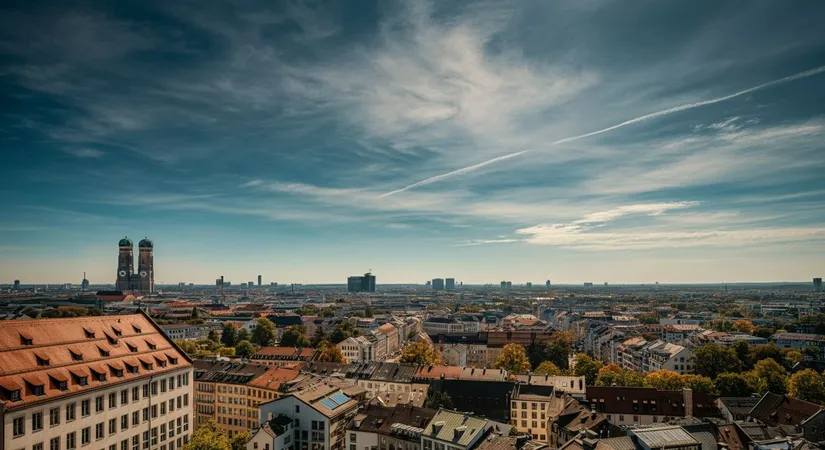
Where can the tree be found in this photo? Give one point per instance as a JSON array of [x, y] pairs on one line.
[[343, 331], [244, 349], [698, 383], [368, 311], [264, 332], [294, 336], [664, 380], [238, 442], [208, 437], [329, 352], [807, 385], [95, 312], [190, 347], [243, 335], [547, 368], [760, 352], [772, 374], [732, 385], [555, 351], [195, 314], [712, 359], [742, 349], [613, 375], [226, 351], [438, 400], [228, 335], [420, 353], [763, 332], [213, 336], [564, 338], [586, 367], [792, 356], [327, 312], [744, 326], [513, 359], [318, 337]]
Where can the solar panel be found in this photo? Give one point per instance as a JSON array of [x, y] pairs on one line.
[[329, 403], [339, 398]]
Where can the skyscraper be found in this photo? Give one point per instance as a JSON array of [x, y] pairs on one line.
[[16, 285], [817, 284], [438, 284], [84, 285], [450, 284], [529, 285], [547, 284], [504, 285], [368, 282], [259, 281]]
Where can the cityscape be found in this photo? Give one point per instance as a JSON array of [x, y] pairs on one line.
[[412, 225]]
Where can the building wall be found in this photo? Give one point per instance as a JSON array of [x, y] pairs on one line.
[[233, 407], [530, 416], [177, 409]]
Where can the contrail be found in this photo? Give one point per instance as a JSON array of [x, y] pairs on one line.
[[664, 112]]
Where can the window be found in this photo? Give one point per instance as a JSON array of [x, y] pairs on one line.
[[42, 362], [155, 436], [99, 404], [76, 357], [163, 385], [135, 418], [14, 395], [297, 409], [54, 443], [124, 422], [70, 411], [70, 441], [38, 446], [26, 340], [37, 421], [85, 436], [85, 408], [124, 444], [145, 390], [178, 401], [171, 404], [163, 408], [135, 442], [154, 411], [19, 426], [171, 383], [185, 399], [154, 388], [124, 397], [54, 416], [163, 432], [145, 414], [112, 426], [112, 400], [145, 440], [135, 394]]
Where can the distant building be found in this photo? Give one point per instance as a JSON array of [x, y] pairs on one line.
[[529, 285], [364, 283], [182, 331], [509, 285], [450, 284], [127, 279], [84, 285], [273, 284], [588, 284], [547, 284], [504, 285], [259, 281], [250, 284], [16, 285], [217, 281], [438, 284], [817, 284]]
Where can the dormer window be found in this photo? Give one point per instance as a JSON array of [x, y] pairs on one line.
[[118, 372], [76, 356], [136, 328], [132, 369], [99, 376], [83, 381], [117, 331], [151, 345], [161, 362], [147, 366], [172, 360], [36, 388], [132, 348], [42, 360], [26, 339], [14, 395], [103, 352]]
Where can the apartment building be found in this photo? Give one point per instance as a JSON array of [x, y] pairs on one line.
[[356, 349], [229, 393], [387, 428], [183, 331], [644, 406], [109, 382], [649, 356], [456, 431], [801, 341], [293, 357]]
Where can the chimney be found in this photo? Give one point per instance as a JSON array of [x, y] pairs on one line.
[[688, 396]]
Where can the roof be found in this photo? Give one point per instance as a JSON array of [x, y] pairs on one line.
[[454, 427], [105, 344], [799, 337], [739, 405], [648, 401], [775, 409], [284, 353], [438, 372], [499, 442], [273, 377], [616, 443], [326, 398], [387, 329], [666, 436]]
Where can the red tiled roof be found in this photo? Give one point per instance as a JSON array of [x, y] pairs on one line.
[[55, 340], [436, 372], [305, 352]]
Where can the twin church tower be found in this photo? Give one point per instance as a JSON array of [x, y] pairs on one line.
[[142, 281]]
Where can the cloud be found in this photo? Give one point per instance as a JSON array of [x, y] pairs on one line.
[[85, 152], [654, 115]]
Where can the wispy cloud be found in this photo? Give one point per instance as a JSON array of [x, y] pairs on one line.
[[85, 152]]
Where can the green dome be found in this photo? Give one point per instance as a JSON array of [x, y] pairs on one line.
[[145, 243], [126, 242]]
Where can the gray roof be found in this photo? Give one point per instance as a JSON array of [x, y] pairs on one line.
[[707, 439], [450, 421], [666, 436]]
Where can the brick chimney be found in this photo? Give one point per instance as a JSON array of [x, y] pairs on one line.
[[687, 393]]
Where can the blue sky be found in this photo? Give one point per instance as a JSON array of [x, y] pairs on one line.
[[572, 140]]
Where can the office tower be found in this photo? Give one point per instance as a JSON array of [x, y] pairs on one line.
[[509, 285], [503, 285], [217, 282], [84, 284], [273, 284], [250, 284], [547, 284], [368, 282], [438, 284], [354, 284], [16, 285], [817, 284], [529, 285], [181, 285], [588, 284], [259, 281], [450, 284]]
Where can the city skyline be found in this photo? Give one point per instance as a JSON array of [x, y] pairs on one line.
[[575, 141]]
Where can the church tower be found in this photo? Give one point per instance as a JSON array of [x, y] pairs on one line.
[[146, 266], [125, 265]]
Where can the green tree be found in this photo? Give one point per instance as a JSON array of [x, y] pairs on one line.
[[264, 332], [743, 326], [95, 312], [238, 442], [190, 347], [792, 356], [553, 351], [213, 336], [698, 383], [327, 312], [438, 400], [243, 335], [244, 349], [195, 313], [613, 375], [732, 385], [513, 359], [586, 367], [208, 437], [763, 332], [329, 352], [760, 352], [421, 353], [294, 336], [51, 313], [368, 311], [342, 331], [772, 374], [712, 359], [807, 385], [547, 368], [228, 335], [742, 349], [318, 337], [226, 351]]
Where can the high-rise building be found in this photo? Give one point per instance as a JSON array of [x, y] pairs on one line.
[[547, 284], [217, 282], [438, 284], [428, 283], [75, 384], [509, 285], [364, 283], [450, 284], [504, 285], [259, 281], [16, 285], [529, 285], [84, 284], [273, 284], [142, 281], [817, 284], [250, 284]]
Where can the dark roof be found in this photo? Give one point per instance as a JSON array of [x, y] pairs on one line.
[[490, 399], [370, 418], [383, 371], [285, 320], [648, 401], [775, 409], [739, 406], [818, 366], [225, 372]]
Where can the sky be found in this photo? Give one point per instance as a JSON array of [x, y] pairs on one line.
[[570, 140]]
